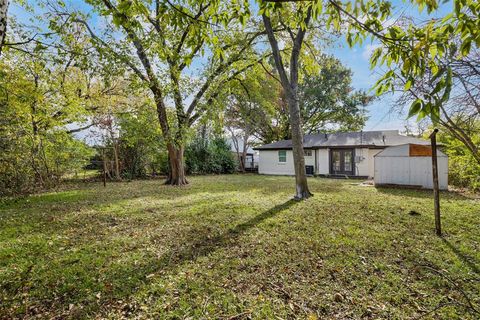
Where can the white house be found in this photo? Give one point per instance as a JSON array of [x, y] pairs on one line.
[[343, 153]]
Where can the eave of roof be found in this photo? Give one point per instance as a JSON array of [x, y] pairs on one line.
[[362, 139], [326, 147]]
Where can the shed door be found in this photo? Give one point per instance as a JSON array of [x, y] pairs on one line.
[[341, 161]]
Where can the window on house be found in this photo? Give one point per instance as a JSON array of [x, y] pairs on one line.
[[308, 153], [282, 156]]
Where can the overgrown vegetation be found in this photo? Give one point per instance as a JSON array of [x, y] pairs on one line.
[[205, 156], [464, 169], [236, 247], [36, 149], [141, 146]]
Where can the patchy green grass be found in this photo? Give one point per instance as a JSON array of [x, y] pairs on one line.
[[237, 247], [84, 174]]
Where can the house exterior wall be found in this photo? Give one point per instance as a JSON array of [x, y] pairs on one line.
[[309, 160], [362, 161], [323, 162], [414, 170], [269, 164], [371, 161]]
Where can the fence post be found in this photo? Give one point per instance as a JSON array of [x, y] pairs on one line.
[[436, 193], [104, 169]]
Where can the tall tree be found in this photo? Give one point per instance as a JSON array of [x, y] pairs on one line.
[[249, 100], [289, 77], [413, 50], [3, 22], [327, 100], [159, 42], [460, 113]]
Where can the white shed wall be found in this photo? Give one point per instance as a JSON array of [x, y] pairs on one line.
[[395, 166]]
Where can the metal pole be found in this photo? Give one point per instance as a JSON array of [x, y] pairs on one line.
[[436, 193]]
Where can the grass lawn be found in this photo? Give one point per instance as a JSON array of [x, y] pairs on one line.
[[236, 247]]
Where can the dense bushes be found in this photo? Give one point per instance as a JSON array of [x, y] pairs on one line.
[[133, 145], [464, 170], [29, 163], [204, 156], [36, 150]]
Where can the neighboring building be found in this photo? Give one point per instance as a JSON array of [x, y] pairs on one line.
[[344, 153], [251, 159]]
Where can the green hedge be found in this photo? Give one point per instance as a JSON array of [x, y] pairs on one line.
[[214, 156]]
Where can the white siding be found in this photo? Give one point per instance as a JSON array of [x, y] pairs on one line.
[[309, 160], [269, 164], [366, 165], [395, 166], [323, 164], [371, 161], [361, 167]]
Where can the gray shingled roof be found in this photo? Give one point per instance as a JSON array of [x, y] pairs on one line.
[[351, 139]]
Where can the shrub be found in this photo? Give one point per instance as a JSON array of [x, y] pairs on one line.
[[463, 169], [214, 156]]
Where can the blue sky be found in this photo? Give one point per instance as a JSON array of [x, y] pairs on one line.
[[357, 59]]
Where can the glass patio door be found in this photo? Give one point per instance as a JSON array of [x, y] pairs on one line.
[[341, 161]]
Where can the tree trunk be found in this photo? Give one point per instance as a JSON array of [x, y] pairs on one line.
[[117, 161], [241, 162], [176, 176], [244, 161], [3, 22], [302, 191], [244, 151], [240, 155], [290, 87]]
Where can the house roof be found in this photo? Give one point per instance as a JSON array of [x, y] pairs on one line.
[[368, 139]]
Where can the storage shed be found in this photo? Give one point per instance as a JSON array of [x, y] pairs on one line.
[[410, 165]]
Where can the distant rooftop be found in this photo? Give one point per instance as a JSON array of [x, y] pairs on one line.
[[366, 139], [240, 146]]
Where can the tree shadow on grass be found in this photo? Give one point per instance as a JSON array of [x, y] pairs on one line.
[[202, 244], [120, 282], [206, 245], [421, 193], [468, 260]]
